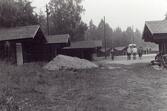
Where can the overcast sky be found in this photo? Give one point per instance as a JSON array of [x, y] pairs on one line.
[[120, 13]]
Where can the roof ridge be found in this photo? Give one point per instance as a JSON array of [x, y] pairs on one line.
[[149, 28], [156, 20], [36, 30], [151, 25], [20, 32]]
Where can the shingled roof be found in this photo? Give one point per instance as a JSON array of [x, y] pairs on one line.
[[154, 31], [16, 33], [85, 44], [58, 39], [157, 27]]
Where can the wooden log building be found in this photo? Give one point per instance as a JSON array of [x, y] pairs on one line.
[[82, 49], [26, 43], [55, 43], [156, 32], [29, 44]]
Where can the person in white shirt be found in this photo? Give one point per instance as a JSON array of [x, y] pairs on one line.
[[134, 51]]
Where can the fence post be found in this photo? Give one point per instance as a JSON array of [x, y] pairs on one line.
[[19, 54]]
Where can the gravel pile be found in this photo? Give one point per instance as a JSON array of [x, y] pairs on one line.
[[62, 62]]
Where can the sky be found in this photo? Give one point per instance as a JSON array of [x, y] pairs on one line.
[[119, 13]]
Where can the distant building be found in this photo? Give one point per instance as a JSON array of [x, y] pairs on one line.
[[82, 49], [156, 32], [55, 43], [102, 52], [120, 50]]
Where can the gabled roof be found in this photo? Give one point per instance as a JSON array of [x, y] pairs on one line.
[[120, 48], [103, 49], [58, 39], [157, 27], [85, 44], [16, 33]]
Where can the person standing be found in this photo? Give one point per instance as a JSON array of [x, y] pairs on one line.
[[129, 53], [112, 54], [140, 52], [134, 50]]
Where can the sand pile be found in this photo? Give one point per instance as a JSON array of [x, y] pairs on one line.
[[62, 62]]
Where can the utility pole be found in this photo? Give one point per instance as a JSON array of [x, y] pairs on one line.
[[133, 36], [111, 42], [47, 17], [105, 37]]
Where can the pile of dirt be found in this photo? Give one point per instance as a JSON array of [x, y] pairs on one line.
[[62, 62]]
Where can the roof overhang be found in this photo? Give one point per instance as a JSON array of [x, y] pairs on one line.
[[85, 44], [155, 31], [58, 39], [19, 33]]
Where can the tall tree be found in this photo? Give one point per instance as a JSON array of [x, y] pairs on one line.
[[66, 18], [42, 21], [91, 33], [16, 13], [114, 38], [26, 14], [108, 33], [118, 37]]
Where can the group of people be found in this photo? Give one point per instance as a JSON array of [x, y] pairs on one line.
[[132, 51]]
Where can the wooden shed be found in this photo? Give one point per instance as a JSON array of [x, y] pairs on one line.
[[55, 43], [102, 52], [156, 32], [82, 49], [120, 50], [22, 44]]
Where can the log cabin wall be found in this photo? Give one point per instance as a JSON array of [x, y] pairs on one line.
[[8, 51], [163, 47]]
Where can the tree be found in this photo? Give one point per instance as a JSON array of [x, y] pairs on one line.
[[25, 13], [114, 38], [129, 35], [16, 13], [166, 16], [138, 38], [91, 33], [65, 16], [118, 37], [108, 33], [42, 21]]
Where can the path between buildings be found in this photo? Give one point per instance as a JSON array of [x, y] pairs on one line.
[[123, 60]]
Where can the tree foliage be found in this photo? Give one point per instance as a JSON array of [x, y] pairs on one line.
[[114, 37], [65, 17], [16, 13]]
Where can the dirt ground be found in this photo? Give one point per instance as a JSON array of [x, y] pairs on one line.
[[112, 87]]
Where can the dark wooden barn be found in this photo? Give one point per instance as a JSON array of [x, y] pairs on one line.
[[102, 52], [55, 43], [120, 51], [156, 32], [22, 44], [82, 49]]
